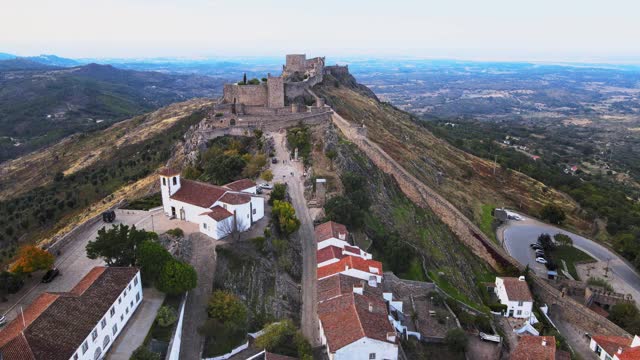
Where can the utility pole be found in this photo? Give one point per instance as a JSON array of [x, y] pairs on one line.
[[495, 163]]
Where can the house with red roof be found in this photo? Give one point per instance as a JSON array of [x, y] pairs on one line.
[[368, 270], [538, 348], [515, 294], [616, 347], [331, 254], [218, 210], [81, 324], [332, 234], [354, 326]]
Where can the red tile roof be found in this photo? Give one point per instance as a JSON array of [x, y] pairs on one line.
[[531, 348], [353, 262], [271, 356], [239, 185], [610, 344], [630, 354], [235, 198], [198, 193], [517, 290], [218, 213], [57, 324], [328, 253], [168, 172], [353, 249], [350, 317], [331, 229], [339, 284]]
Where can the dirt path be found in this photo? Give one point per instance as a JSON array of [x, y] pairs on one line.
[[282, 172], [203, 260]]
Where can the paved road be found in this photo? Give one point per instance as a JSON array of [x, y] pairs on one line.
[[73, 264], [519, 234], [282, 172]]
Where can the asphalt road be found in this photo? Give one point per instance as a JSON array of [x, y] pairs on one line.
[[282, 173], [519, 234]]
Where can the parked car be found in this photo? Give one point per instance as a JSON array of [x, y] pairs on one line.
[[109, 216], [50, 275], [541, 260], [536, 246], [266, 186], [274, 161], [3, 320], [540, 252]]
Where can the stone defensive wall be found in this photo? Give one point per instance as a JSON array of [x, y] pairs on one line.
[[470, 234], [299, 88], [245, 94]]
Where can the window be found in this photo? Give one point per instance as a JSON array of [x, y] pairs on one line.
[[247, 216], [112, 312], [372, 356], [607, 357], [114, 329], [125, 293], [204, 225], [519, 312], [85, 347], [131, 304], [103, 323], [127, 310], [164, 181], [138, 297], [94, 334], [121, 317], [254, 211], [119, 300], [520, 303], [175, 181], [75, 356], [129, 286], [135, 280]]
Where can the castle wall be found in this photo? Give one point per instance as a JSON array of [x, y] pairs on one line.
[[275, 92], [246, 94], [296, 62], [295, 89], [337, 70]]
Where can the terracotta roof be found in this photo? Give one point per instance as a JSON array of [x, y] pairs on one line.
[[353, 249], [198, 193], [350, 317], [64, 320], [330, 229], [610, 344], [517, 290], [339, 284], [218, 213], [239, 185], [531, 348], [563, 355], [235, 198], [353, 262], [168, 172], [271, 356], [630, 354], [328, 253], [598, 310]]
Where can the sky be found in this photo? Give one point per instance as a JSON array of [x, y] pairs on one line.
[[578, 30]]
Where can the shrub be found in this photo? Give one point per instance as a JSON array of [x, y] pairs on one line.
[[563, 239], [456, 340], [177, 232], [258, 242], [596, 281], [284, 216], [498, 307], [267, 175], [283, 338], [31, 258], [177, 277], [553, 213], [227, 308], [142, 353], [152, 257], [278, 193], [166, 316]]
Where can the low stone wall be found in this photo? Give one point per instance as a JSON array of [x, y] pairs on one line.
[[471, 235]]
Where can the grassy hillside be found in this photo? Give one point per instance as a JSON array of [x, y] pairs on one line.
[[39, 104], [50, 189], [465, 180]]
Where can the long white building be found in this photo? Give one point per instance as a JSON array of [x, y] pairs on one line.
[[81, 324], [515, 294], [218, 210]]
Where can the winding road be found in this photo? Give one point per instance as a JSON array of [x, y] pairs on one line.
[[517, 235]]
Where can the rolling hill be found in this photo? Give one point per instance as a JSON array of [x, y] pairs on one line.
[[40, 104]]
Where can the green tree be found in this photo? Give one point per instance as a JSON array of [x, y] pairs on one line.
[[331, 155], [456, 340], [166, 316], [562, 239], [117, 246], [283, 338], [32, 258], [191, 173], [285, 218], [152, 257], [143, 353], [177, 277], [278, 193], [342, 209], [10, 283], [626, 316], [267, 175], [553, 214], [546, 242], [227, 308]]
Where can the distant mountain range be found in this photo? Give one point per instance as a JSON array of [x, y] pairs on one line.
[[41, 103], [51, 60]]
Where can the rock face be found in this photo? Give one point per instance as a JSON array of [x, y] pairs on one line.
[[261, 279]]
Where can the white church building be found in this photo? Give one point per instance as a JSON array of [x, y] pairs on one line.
[[217, 210]]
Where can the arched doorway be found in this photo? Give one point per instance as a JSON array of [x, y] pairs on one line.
[[96, 355], [232, 122], [106, 341]]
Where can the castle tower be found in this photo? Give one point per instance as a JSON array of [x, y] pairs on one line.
[[169, 185], [275, 92]]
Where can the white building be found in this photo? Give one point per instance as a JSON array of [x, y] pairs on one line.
[[616, 347], [81, 324], [357, 267], [515, 294], [332, 234], [332, 254], [218, 210]]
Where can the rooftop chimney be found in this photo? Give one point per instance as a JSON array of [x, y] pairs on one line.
[[342, 236], [619, 350], [391, 337], [544, 342], [370, 307], [521, 278]]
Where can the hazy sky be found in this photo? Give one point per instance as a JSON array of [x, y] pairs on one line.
[[479, 29]]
